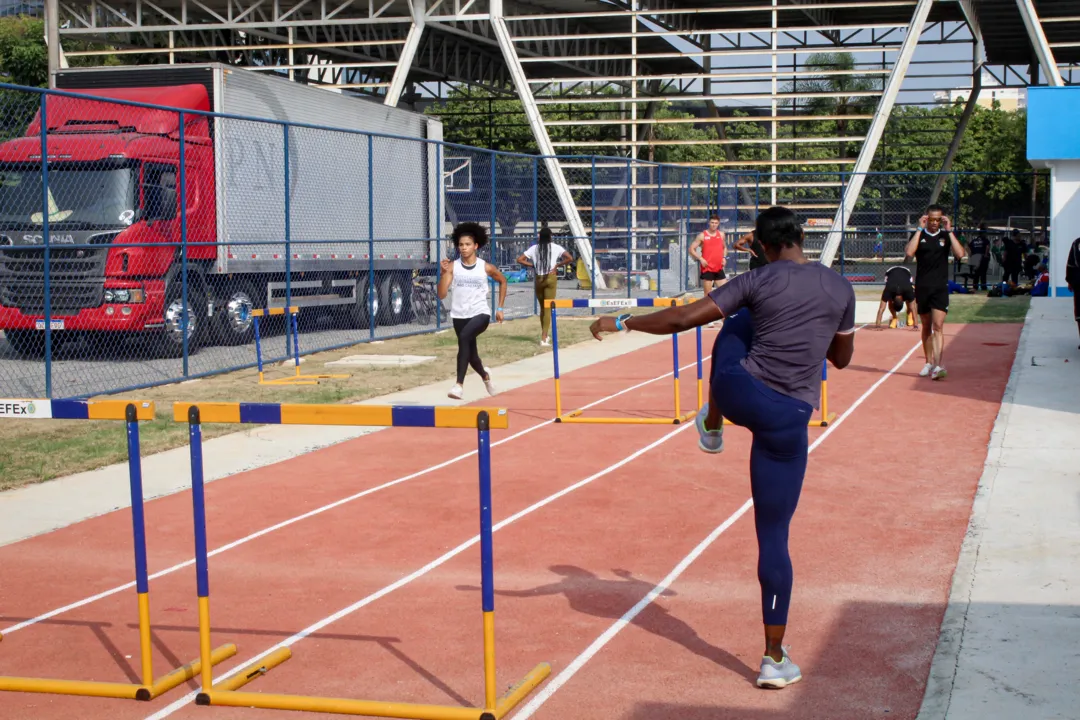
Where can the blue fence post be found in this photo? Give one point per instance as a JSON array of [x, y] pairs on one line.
[[843, 220], [44, 132], [686, 223], [371, 236], [288, 233], [184, 296], [629, 227], [592, 240], [659, 225], [956, 201], [438, 233], [536, 220], [494, 243]]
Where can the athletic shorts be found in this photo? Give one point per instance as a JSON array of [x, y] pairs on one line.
[[932, 298], [709, 275], [904, 290]]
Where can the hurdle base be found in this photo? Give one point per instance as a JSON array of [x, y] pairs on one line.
[[374, 708], [824, 422], [119, 691], [575, 417]]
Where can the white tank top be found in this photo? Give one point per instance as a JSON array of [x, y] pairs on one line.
[[470, 293]]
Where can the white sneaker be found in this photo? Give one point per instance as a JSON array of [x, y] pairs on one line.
[[927, 369], [778, 675], [545, 342], [456, 392], [939, 373], [492, 390]]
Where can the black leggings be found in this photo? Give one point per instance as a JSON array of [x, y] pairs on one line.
[[468, 329]]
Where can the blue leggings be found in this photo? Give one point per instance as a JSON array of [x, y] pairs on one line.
[[778, 424]]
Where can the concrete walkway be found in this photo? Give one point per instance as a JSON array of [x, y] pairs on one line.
[[41, 508], [1010, 642]]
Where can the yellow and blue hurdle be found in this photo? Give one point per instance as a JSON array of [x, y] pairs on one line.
[[576, 415], [826, 416], [227, 692], [294, 327], [131, 412]]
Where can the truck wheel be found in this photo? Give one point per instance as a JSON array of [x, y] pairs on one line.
[[358, 311], [170, 339], [235, 324], [395, 300]]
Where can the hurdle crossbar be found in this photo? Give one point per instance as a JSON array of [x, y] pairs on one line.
[[575, 416], [826, 417], [131, 412], [227, 692], [294, 327]]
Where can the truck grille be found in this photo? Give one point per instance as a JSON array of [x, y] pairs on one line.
[[76, 277]]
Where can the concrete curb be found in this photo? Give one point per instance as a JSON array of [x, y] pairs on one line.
[[943, 669]]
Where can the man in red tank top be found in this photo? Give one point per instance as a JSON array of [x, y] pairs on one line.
[[709, 249]]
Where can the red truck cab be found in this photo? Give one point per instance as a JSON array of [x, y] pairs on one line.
[[114, 225]]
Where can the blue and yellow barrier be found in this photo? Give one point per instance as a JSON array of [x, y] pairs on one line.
[[826, 416], [294, 327], [227, 692], [131, 413], [576, 415]]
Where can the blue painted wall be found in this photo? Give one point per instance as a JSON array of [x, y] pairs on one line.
[[1053, 131]]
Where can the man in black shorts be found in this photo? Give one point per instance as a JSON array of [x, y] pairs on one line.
[[931, 245], [1072, 277], [898, 290]]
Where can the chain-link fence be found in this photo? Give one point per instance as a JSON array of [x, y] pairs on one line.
[[136, 240]]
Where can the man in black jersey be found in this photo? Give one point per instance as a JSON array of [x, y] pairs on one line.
[[898, 290], [931, 245], [979, 257]]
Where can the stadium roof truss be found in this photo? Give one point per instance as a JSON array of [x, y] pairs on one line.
[[736, 61]]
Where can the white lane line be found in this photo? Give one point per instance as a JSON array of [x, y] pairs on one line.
[[167, 711], [317, 511], [579, 662]]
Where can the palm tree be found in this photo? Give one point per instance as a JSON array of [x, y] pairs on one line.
[[837, 77]]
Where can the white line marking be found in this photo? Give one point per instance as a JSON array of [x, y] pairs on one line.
[[579, 662], [165, 712], [318, 511]]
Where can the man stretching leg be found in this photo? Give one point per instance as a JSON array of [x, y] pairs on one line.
[[931, 246]]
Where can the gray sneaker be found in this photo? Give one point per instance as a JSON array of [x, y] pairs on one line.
[[710, 441], [778, 675]]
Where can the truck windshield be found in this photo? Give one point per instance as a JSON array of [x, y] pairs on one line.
[[88, 198]]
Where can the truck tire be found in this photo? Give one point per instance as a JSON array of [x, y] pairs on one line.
[[395, 298], [358, 312], [170, 339], [233, 321]]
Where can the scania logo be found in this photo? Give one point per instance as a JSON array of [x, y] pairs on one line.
[[54, 239]]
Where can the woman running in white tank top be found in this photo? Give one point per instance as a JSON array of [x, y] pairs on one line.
[[466, 279]]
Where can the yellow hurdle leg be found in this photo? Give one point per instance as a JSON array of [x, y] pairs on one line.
[[207, 669], [558, 399], [490, 688], [677, 407], [146, 648], [182, 674]]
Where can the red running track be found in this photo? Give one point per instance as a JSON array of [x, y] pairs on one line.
[[874, 543]]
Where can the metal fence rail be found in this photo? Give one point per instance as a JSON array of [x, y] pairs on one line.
[[136, 240]]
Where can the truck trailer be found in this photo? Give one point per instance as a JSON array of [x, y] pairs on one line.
[[345, 203]]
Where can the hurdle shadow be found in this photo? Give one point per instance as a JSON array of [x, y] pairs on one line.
[[98, 629], [589, 594], [386, 643]]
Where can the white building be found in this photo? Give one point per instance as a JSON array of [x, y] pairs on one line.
[[991, 91]]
